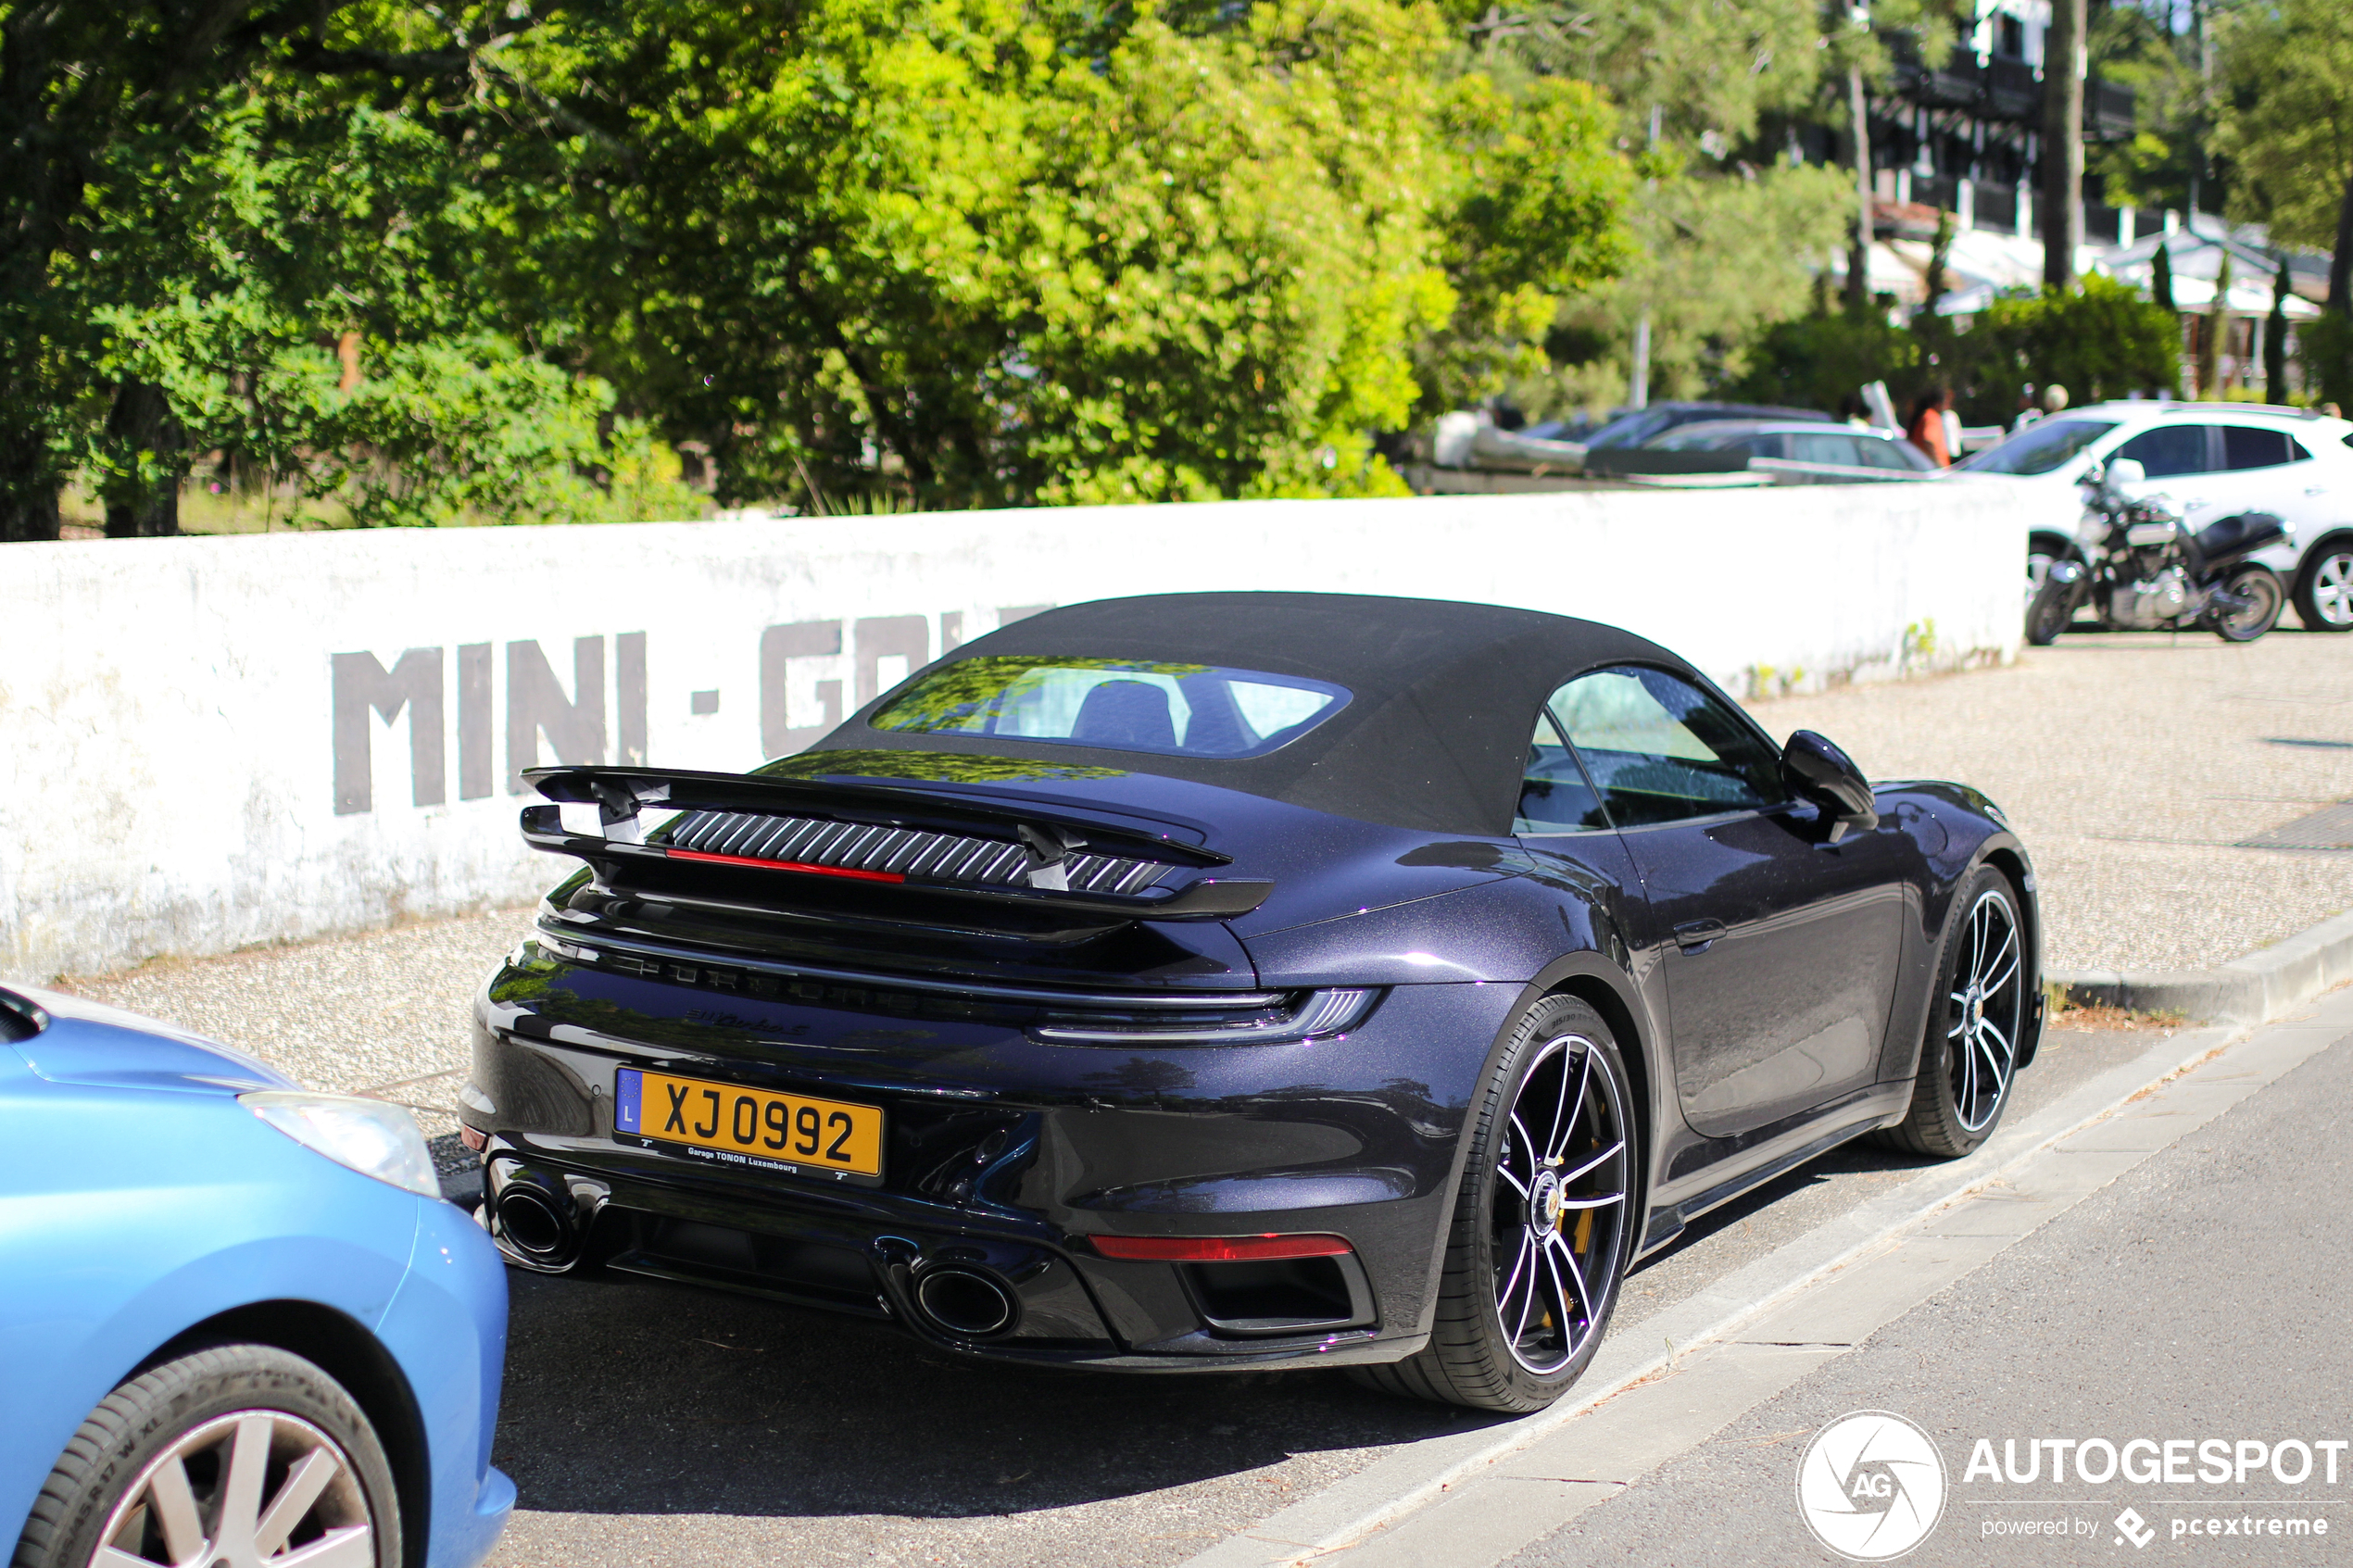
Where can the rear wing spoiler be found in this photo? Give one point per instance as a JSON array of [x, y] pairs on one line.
[[612, 839]]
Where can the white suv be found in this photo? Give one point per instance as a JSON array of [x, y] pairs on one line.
[[2214, 460]]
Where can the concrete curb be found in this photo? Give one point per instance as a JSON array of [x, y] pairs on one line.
[[1354, 1507], [2263, 985]]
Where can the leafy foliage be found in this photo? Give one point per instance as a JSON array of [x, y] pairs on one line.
[[2286, 117], [2099, 338], [1819, 360], [868, 252]]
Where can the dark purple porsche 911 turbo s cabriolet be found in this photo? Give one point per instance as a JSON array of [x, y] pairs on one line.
[[1224, 981]]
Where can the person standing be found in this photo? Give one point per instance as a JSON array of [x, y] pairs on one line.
[[1926, 429]]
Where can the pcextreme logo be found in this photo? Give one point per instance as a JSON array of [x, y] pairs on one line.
[[1871, 1486]]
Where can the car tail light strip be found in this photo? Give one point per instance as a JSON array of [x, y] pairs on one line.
[[814, 843], [1267, 1248], [784, 866]]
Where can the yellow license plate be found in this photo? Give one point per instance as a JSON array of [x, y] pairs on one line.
[[741, 1126]]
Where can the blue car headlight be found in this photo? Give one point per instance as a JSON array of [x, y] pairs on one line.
[[367, 1135]]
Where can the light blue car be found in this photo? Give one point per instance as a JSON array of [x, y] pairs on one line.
[[238, 1325]]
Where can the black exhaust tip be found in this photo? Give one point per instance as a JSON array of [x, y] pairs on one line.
[[966, 1304], [536, 1223]]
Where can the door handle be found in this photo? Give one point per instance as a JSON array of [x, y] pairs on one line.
[[1695, 937]]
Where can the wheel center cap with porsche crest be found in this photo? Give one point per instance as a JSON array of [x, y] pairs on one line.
[[1547, 1200]]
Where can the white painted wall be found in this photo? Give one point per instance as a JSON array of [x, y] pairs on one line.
[[168, 751]]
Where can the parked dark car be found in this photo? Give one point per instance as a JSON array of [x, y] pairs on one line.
[[1638, 427], [1228, 981], [1829, 447]]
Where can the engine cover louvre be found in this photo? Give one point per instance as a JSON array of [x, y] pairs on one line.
[[904, 852]]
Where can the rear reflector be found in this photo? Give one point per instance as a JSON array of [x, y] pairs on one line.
[[1218, 1248], [784, 866]]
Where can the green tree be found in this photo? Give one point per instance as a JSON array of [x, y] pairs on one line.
[[2165, 159], [870, 251], [2286, 122], [204, 201], [2099, 338], [1820, 359], [984, 254], [1729, 233]]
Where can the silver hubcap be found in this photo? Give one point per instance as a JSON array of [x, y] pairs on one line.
[[1559, 1224], [2332, 590], [244, 1489], [1982, 1015]]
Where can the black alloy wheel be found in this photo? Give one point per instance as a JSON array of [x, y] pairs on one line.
[[1543, 1225], [2324, 588], [2260, 587], [1969, 1057], [242, 1454]]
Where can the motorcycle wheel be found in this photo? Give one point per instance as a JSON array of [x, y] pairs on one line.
[[2260, 587], [2053, 608]]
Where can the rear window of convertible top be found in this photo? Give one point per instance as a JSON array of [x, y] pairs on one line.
[[1116, 704]]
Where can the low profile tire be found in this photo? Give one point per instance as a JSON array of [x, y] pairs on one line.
[[235, 1456], [1542, 1227], [2053, 609], [2324, 588], [1969, 1057], [2260, 586]]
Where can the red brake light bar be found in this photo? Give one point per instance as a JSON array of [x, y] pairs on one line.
[[1218, 1248], [784, 866]]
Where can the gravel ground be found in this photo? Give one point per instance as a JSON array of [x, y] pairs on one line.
[[2132, 765], [384, 1014]]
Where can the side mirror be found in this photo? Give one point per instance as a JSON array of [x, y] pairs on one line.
[[2124, 470], [1820, 772]]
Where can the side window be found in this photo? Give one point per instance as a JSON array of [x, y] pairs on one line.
[[2168, 450], [1660, 749], [1825, 448], [1553, 795], [2250, 446], [1880, 454]]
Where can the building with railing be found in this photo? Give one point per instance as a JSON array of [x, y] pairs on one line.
[[1964, 133]]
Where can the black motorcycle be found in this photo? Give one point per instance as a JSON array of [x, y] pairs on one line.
[[2144, 572]]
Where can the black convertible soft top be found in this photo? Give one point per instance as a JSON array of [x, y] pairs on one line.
[[1434, 738]]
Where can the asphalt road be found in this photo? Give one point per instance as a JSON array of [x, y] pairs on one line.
[[648, 1425], [2200, 1296]]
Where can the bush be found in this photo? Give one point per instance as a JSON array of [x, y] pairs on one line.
[[2327, 351], [2099, 338], [1820, 361]]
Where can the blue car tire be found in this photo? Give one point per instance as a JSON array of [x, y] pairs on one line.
[[190, 1461]]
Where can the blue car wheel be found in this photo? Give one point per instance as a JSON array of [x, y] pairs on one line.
[[238, 1454]]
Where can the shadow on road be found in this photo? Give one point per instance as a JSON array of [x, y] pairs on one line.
[[629, 1396]]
